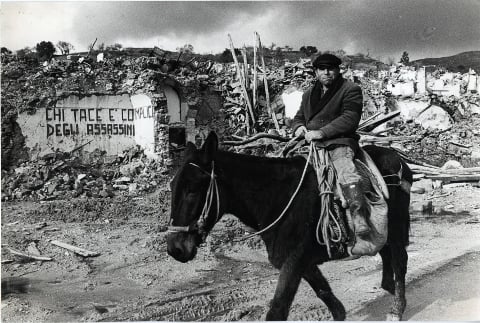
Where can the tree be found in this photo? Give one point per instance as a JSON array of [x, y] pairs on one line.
[[308, 50], [45, 50], [340, 53], [288, 48], [404, 60], [185, 49], [5, 50], [64, 47], [101, 47]]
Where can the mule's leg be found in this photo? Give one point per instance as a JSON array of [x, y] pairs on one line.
[[287, 286], [399, 264], [317, 281], [387, 270]]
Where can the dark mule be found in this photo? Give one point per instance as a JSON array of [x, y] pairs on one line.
[[256, 190]]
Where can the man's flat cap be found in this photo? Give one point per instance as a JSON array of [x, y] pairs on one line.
[[326, 61]]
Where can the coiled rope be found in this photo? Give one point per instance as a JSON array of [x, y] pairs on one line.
[[329, 230]]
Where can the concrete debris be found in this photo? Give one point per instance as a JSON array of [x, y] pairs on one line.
[[64, 177]]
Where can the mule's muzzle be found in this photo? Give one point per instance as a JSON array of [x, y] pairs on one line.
[[182, 246]]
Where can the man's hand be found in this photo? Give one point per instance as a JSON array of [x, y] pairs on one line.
[[314, 135], [300, 131]]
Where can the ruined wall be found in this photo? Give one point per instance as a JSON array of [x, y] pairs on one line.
[[95, 122], [108, 123]]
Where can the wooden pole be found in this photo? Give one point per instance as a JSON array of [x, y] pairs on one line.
[[254, 71], [245, 66], [245, 93], [265, 83]]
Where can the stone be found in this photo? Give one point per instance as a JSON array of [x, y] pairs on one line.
[[452, 164], [52, 187], [23, 170], [132, 168], [475, 155], [434, 118], [422, 186], [410, 109], [132, 188], [34, 184], [474, 109], [123, 179]]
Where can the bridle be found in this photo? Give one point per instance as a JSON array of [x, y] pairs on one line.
[[212, 191]]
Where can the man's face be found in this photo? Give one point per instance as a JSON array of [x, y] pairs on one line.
[[327, 75]]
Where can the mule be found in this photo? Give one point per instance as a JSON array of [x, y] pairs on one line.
[[212, 182]]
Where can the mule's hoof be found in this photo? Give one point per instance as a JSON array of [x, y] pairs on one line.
[[389, 286], [393, 317]]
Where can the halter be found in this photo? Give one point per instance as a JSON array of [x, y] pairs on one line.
[[212, 190]]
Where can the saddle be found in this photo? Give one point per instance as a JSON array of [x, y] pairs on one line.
[[343, 242]]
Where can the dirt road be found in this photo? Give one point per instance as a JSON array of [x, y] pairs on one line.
[[134, 279]]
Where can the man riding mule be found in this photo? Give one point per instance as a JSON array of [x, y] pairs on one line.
[[279, 198], [329, 115]]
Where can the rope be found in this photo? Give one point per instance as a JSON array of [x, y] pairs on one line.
[[211, 191], [289, 202], [328, 225]]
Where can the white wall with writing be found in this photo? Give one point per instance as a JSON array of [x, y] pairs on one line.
[[98, 122]]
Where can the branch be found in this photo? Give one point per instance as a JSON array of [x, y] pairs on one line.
[[256, 137]]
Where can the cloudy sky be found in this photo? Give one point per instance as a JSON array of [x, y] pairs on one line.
[[423, 28]]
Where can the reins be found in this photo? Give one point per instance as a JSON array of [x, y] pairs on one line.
[[289, 202], [211, 191]]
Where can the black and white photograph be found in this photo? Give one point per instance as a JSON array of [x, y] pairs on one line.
[[217, 161]]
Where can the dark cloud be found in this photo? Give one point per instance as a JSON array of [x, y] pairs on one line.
[[150, 19], [383, 28]]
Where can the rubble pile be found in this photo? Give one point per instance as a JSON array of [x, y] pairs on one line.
[[26, 87], [62, 176]]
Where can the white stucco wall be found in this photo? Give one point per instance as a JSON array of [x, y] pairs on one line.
[[401, 89], [173, 102], [292, 101], [103, 122], [144, 123], [421, 81]]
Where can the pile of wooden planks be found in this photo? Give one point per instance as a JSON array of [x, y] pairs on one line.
[[471, 174]]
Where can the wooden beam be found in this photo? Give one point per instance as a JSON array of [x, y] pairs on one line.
[[255, 72], [265, 83], [455, 178], [27, 255], [77, 250], [369, 126], [242, 82]]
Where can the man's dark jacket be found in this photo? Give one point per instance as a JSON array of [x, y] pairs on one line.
[[336, 112]]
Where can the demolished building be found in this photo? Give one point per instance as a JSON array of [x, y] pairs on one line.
[[137, 114]]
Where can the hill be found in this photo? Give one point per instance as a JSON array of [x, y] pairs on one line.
[[456, 63]]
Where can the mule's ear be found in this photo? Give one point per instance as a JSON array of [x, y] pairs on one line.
[[210, 146]]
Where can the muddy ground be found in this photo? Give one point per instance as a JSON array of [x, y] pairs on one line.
[[134, 279]]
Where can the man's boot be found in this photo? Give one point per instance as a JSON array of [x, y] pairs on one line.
[[358, 208]]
